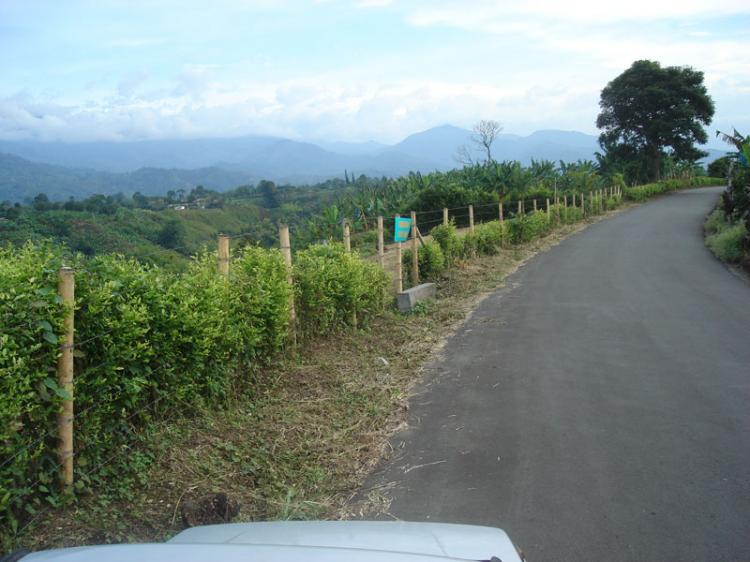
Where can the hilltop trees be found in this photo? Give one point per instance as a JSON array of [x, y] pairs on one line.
[[650, 111]]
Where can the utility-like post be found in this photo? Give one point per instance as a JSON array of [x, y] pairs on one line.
[[347, 237], [414, 251], [286, 251], [381, 243], [66, 292], [223, 255]]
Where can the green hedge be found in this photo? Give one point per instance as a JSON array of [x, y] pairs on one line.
[[150, 343], [646, 191], [333, 286], [450, 242], [724, 238], [31, 316], [525, 228], [431, 260]]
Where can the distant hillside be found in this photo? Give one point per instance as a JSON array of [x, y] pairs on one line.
[[21, 180], [153, 167]]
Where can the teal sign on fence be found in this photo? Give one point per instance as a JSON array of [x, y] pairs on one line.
[[401, 228]]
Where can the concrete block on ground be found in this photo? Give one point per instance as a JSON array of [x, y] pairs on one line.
[[407, 299]]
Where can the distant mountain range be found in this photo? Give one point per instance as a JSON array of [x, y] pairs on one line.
[[153, 167]]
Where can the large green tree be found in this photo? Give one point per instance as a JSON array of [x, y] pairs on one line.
[[649, 111]]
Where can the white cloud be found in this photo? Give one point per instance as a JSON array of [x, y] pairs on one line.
[[488, 14], [528, 65]]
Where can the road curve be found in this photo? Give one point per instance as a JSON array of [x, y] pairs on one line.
[[598, 406]]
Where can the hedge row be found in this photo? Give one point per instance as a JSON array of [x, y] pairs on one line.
[[646, 191], [447, 246], [150, 343], [435, 257]]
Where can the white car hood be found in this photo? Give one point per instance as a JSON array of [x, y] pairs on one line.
[[311, 541]]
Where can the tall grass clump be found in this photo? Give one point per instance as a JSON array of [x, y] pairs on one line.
[[727, 243]]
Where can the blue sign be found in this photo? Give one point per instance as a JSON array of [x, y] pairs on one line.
[[401, 228]]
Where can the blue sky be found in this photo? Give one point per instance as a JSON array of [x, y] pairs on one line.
[[346, 70]]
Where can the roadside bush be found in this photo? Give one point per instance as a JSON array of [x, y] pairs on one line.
[[262, 302], [643, 192], [331, 285], [431, 261], [570, 215], [489, 237], [715, 222], [727, 243], [149, 344], [31, 316], [450, 242], [471, 245], [527, 227]]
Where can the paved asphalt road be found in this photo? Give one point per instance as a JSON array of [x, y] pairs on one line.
[[598, 408]]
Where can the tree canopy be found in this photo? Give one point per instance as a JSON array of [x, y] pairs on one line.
[[649, 112]]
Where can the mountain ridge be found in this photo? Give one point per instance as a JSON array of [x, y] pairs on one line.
[[155, 166]]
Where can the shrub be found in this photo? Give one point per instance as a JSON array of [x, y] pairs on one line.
[[489, 237], [450, 242], [527, 227], [431, 261], [715, 222], [149, 343], [642, 192], [262, 302], [31, 316], [570, 215], [727, 244], [332, 285]]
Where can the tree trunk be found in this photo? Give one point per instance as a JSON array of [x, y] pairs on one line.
[[654, 162]]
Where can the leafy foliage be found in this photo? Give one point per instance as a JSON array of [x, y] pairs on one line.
[[646, 191], [648, 109], [727, 242], [334, 286], [431, 261], [450, 243], [525, 228], [150, 343]]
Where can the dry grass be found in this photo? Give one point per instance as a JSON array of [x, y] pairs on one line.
[[298, 444]]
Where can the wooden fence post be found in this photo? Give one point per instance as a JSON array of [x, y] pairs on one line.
[[520, 208], [565, 207], [66, 291], [445, 215], [399, 270], [381, 243], [471, 218], [414, 251], [286, 250], [223, 255], [583, 204], [347, 237], [534, 202], [549, 210], [500, 206]]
